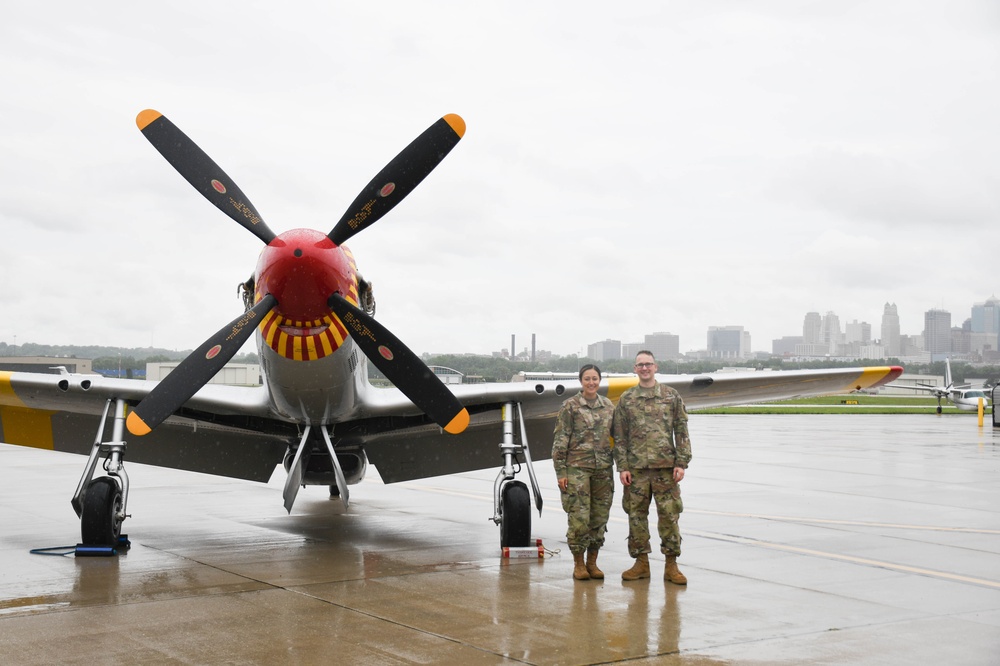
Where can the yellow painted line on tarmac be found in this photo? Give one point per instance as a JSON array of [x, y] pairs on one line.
[[859, 523], [892, 566], [453, 493]]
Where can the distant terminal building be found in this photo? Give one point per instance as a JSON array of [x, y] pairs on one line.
[[46, 364], [447, 375], [233, 374]]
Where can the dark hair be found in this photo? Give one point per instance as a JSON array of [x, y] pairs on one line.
[[589, 366], [647, 353]]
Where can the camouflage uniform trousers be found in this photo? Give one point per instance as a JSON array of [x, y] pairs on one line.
[[587, 501], [658, 485]]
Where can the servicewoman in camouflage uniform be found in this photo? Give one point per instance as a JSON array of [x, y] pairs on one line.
[[581, 453], [652, 450]]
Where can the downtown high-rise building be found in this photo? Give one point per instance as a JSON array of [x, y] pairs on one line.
[[858, 331], [937, 334], [984, 326], [890, 331], [812, 329], [663, 345], [605, 350], [830, 332], [728, 342], [986, 316]]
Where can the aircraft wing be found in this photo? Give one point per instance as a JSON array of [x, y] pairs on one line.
[[230, 430], [222, 430], [419, 451], [733, 388]]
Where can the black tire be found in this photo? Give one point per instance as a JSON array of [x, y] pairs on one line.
[[99, 524], [515, 516]]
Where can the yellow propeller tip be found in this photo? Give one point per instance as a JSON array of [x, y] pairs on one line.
[[136, 425], [459, 423], [146, 117], [456, 123]]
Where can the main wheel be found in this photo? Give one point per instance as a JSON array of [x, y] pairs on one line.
[[515, 516], [99, 524]]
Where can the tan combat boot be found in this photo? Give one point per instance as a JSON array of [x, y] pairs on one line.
[[639, 570], [592, 564], [579, 568], [672, 573]]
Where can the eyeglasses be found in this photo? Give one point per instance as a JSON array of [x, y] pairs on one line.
[[644, 365]]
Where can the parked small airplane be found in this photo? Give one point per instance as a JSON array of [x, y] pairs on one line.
[[963, 396], [316, 410]]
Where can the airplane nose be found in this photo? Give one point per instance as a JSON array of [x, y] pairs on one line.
[[301, 268]]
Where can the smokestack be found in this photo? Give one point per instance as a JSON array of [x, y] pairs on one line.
[[532, 347], [513, 351]]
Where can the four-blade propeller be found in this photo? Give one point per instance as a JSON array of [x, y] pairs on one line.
[[399, 364]]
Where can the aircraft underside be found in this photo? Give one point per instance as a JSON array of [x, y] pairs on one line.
[[335, 455]]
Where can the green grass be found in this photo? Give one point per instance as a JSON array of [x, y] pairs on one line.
[[844, 404]]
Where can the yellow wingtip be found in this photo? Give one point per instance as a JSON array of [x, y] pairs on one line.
[[456, 123], [459, 423], [136, 425], [872, 376], [146, 117]]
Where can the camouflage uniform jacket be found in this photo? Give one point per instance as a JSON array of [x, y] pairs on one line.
[[582, 436], [650, 429]]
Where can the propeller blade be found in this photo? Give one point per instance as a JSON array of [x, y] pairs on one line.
[[199, 170], [402, 367], [399, 177], [196, 370]]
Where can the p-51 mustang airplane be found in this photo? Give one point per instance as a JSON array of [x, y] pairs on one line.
[[316, 410], [963, 396]]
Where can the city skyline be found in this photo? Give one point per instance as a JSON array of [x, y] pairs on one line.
[[821, 332]]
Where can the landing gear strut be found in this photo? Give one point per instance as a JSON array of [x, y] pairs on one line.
[[512, 505], [100, 503]]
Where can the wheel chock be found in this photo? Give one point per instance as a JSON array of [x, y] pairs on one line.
[[513, 552], [88, 550], [92, 550]]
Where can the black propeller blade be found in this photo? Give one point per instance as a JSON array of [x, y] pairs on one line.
[[196, 370], [399, 177], [402, 367], [199, 170]]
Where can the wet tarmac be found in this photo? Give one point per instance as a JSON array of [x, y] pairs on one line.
[[808, 539]]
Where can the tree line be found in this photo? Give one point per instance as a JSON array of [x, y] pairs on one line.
[[111, 361]]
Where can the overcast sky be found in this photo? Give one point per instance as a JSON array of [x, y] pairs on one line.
[[628, 167]]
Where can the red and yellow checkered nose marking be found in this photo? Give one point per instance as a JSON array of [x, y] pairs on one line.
[[302, 269], [303, 341]]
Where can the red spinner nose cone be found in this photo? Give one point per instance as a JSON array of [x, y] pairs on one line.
[[302, 268]]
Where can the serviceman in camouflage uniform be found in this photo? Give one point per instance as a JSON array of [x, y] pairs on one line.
[[652, 450], [581, 454]]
